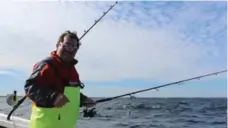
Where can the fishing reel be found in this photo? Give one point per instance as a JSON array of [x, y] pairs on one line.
[[12, 99], [89, 112]]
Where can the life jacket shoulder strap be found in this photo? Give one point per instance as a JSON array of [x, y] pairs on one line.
[[48, 61]]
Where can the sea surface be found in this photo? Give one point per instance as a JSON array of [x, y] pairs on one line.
[[148, 113]]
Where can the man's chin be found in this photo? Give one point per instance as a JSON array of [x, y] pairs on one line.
[[67, 59]]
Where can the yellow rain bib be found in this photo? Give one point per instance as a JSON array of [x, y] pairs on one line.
[[64, 117]]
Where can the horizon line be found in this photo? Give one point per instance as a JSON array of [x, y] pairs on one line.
[[140, 97]]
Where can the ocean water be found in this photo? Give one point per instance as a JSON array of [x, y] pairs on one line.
[[148, 113]]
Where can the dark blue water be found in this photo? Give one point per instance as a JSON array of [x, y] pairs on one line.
[[150, 113]]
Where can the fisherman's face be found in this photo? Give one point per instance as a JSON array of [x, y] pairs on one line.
[[67, 49]]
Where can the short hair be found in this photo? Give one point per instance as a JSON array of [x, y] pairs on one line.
[[72, 35]]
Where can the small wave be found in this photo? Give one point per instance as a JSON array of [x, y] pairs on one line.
[[135, 126], [136, 107], [213, 109], [189, 116], [191, 121], [146, 107], [105, 116], [122, 124], [108, 108], [104, 119], [223, 107], [216, 106], [194, 121], [142, 106], [157, 126], [153, 126], [130, 125], [218, 122], [184, 109], [183, 103]]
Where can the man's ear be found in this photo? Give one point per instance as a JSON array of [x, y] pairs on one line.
[[57, 45]]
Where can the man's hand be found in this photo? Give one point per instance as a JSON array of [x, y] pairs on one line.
[[89, 103], [61, 100]]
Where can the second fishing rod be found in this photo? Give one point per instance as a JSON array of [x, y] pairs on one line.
[[160, 86], [92, 112]]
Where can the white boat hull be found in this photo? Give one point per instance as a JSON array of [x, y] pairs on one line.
[[14, 122]]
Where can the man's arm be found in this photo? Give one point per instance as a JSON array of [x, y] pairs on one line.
[[85, 101], [82, 99], [37, 87]]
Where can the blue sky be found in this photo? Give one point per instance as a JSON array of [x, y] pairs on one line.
[[136, 46]]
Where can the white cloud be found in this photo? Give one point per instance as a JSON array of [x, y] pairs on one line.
[[111, 51], [5, 72]]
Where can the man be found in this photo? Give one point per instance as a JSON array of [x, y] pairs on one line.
[[54, 87]]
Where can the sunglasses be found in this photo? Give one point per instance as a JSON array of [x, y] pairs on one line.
[[69, 45]]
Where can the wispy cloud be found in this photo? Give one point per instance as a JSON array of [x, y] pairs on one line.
[[3, 72], [163, 39], [153, 41], [12, 74]]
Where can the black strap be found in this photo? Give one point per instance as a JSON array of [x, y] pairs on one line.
[[48, 61]]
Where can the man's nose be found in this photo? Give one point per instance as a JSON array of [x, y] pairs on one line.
[[70, 48]]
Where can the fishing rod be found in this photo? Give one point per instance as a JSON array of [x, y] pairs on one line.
[[92, 112], [157, 87], [85, 32], [96, 21]]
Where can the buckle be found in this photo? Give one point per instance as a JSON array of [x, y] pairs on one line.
[[76, 84], [82, 85]]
